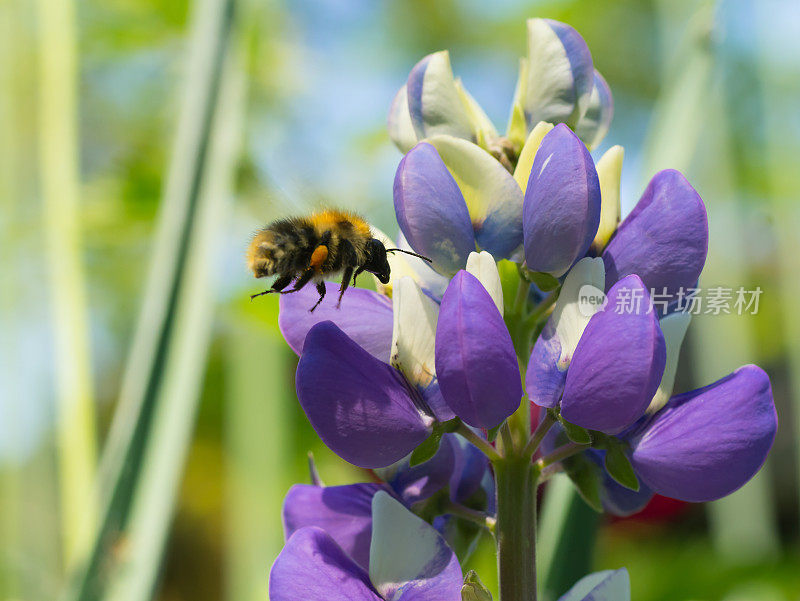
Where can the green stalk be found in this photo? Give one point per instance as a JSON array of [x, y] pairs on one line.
[[515, 529], [58, 156]]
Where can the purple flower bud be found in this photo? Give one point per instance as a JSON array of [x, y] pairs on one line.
[[561, 211], [475, 360], [618, 362]]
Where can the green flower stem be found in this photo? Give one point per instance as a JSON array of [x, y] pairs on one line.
[[567, 450], [479, 442], [507, 439], [522, 295], [515, 530], [538, 435], [472, 515]]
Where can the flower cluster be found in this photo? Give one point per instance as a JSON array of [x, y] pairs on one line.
[[416, 379]]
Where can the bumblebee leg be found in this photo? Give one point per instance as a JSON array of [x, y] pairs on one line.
[[358, 272], [321, 289], [277, 286], [348, 273], [301, 281]]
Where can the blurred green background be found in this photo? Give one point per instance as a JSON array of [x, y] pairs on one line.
[[147, 404]]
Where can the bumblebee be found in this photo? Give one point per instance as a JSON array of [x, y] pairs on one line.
[[318, 247]]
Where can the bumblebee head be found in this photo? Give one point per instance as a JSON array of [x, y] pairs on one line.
[[377, 263]]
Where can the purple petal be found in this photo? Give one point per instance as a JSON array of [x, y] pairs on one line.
[[431, 210], [544, 381], [436, 403], [313, 567], [561, 211], [359, 406], [618, 362], [707, 443], [364, 316], [664, 240], [344, 512], [471, 466], [618, 500], [414, 86], [420, 482], [475, 361], [623, 502]]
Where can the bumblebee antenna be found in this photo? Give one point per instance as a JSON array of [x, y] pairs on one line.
[[408, 252]]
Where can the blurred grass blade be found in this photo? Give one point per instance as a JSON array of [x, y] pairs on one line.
[[779, 156], [689, 133], [566, 539], [59, 153], [142, 461], [30, 560], [259, 451], [175, 408]]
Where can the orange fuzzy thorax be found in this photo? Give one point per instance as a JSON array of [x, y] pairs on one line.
[[329, 219]]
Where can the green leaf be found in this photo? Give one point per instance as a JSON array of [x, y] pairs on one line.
[[544, 281], [474, 589], [575, 433], [619, 467], [586, 478], [428, 447]]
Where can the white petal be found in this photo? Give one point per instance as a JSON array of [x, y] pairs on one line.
[[572, 312], [609, 172], [483, 181], [522, 172], [674, 328], [403, 548], [403, 265], [480, 120], [517, 129], [441, 108], [401, 130], [492, 196], [483, 266], [558, 88], [609, 585], [414, 334]]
